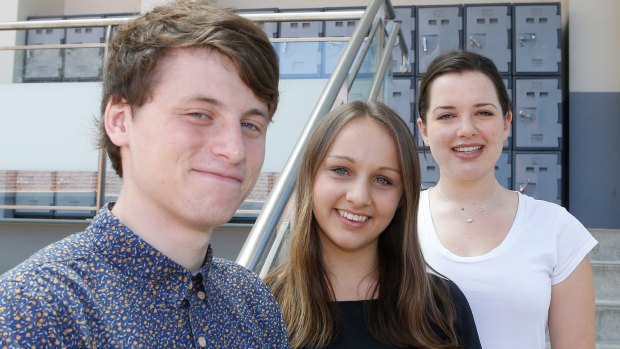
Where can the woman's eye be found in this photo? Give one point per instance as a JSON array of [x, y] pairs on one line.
[[444, 116], [383, 181], [340, 171], [485, 113]]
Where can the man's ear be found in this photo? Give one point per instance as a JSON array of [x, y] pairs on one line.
[[422, 128], [117, 115]]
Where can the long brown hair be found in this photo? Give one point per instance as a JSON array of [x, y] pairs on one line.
[[409, 306]]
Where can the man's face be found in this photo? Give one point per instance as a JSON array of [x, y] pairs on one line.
[[194, 150]]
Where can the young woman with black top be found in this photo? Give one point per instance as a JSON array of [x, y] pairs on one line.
[[355, 275]]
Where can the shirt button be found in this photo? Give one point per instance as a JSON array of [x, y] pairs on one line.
[[202, 341], [201, 295]]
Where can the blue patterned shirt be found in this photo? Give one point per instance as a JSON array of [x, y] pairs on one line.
[[107, 288]]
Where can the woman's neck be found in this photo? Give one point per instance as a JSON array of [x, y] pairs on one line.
[[353, 276]]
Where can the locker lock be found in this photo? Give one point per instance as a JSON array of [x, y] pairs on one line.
[[525, 38]]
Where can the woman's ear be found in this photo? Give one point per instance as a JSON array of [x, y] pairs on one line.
[[422, 128], [507, 122], [116, 116]]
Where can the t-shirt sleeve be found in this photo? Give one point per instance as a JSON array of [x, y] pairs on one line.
[[464, 323], [574, 242]]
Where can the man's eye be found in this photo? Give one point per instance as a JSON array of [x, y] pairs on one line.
[[199, 116], [250, 126]]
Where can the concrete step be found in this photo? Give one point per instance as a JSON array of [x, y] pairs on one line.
[[608, 321], [606, 280], [608, 247]]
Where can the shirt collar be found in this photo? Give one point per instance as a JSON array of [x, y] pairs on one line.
[[134, 257]]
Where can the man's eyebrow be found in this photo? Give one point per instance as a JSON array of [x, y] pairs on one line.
[[216, 102]]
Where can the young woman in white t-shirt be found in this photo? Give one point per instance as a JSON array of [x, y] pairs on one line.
[[522, 263]]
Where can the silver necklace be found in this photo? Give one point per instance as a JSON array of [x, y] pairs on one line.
[[470, 218]]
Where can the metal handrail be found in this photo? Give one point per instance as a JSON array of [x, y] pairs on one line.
[[383, 63], [262, 233]]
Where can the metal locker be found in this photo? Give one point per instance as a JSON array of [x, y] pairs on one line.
[[537, 114], [539, 175], [503, 170], [300, 59], [84, 63], [429, 170], [438, 30], [402, 99], [270, 28], [487, 32], [406, 16], [44, 64], [537, 38], [332, 50]]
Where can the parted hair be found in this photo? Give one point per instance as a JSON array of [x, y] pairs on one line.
[[409, 307], [459, 61], [130, 70]]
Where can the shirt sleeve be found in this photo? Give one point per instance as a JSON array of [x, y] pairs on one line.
[[574, 242], [27, 320]]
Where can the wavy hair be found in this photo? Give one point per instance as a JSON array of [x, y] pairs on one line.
[[410, 307]]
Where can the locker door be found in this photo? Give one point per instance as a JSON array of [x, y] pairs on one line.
[[487, 32], [332, 51], [300, 59], [503, 169], [537, 38], [539, 175], [84, 63], [406, 15], [429, 169], [44, 64], [537, 115], [402, 99], [439, 30]]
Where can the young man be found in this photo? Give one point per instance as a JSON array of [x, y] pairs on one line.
[[188, 93]]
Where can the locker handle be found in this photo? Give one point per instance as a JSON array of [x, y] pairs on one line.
[[525, 115], [424, 44], [523, 185], [526, 37], [474, 42]]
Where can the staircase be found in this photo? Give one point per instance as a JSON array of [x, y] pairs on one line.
[[605, 258]]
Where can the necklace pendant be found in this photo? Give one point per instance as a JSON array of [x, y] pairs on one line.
[[469, 220]]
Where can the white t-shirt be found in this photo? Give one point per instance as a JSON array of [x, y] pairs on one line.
[[509, 288]]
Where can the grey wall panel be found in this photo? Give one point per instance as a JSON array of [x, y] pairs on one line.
[[594, 162]]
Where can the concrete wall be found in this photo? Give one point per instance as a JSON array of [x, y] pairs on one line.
[[594, 112]]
